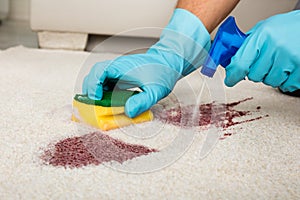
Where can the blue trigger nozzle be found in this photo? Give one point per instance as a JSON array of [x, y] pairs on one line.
[[227, 41]]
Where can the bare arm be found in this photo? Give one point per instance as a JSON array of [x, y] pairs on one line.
[[210, 12]]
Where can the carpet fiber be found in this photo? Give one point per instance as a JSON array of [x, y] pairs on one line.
[[256, 156]]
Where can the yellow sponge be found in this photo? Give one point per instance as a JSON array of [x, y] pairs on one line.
[[105, 118]]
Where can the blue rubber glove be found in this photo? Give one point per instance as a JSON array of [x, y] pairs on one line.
[[181, 49], [270, 54]]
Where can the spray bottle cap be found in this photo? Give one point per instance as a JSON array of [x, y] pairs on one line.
[[227, 41]]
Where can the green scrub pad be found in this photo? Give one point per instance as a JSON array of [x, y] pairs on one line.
[[114, 98]]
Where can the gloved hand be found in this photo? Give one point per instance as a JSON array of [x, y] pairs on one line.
[[181, 49], [270, 54]]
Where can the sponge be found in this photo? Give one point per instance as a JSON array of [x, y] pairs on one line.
[[107, 113]]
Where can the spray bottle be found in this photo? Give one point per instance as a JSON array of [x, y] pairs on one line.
[[227, 41]]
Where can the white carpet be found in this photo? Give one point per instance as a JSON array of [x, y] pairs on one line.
[[261, 160]]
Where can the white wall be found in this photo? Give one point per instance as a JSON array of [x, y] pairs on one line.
[[19, 9], [249, 12], [114, 16]]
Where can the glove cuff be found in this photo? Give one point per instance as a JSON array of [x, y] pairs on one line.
[[185, 37], [188, 24]]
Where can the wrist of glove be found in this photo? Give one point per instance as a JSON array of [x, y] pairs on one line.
[[182, 47], [270, 54], [184, 39]]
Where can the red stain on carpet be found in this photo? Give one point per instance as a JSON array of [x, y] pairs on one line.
[[221, 115], [80, 151], [96, 148]]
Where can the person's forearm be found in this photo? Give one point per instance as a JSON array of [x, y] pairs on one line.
[[210, 12]]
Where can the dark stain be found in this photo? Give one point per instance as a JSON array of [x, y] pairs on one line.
[[80, 151], [221, 115], [96, 148]]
